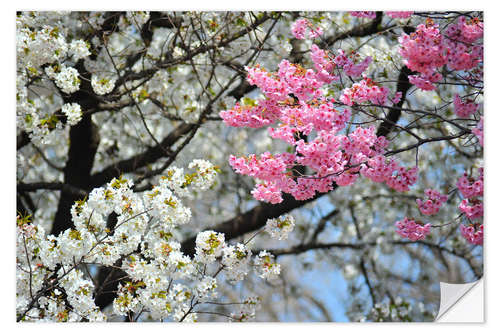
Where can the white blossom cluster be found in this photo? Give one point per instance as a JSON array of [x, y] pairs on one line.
[[164, 282], [236, 258], [266, 266], [39, 47], [67, 80], [388, 311], [209, 245], [247, 310], [201, 180], [205, 174], [35, 271], [73, 112], [78, 49], [137, 18], [102, 84], [280, 227], [45, 39]]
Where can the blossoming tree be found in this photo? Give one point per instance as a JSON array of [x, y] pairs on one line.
[[199, 166]]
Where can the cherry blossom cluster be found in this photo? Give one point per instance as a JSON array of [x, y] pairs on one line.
[[473, 233], [472, 206], [478, 131], [280, 227], [209, 245], [459, 40], [329, 156], [325, 63], [252, 115], [465, 108], [50, 53], [67, 80], [247, 310], [413, 230], [424, 51], [402, 15], [164, 282], [433, 203], [73, 113], [349, 65], [78, 49], [267, 267], [472, 191], [294, 99], [102, 84], [370, 15], [427, 49], [365, 91], [38, 47], [300, 27], [393, 310], [236, 260], [42, 54]]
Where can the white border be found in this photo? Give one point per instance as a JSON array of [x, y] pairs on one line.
[[8, 202]]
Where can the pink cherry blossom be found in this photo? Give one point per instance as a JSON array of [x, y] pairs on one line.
[[428, 49], [470, 187], [478, 131], [351, 64], [295, 106], [364, 14], [464, 109], [403, 15], [472, 233], [412, 230], [463, 54], [365, 91], [423, 50], [433, 203], [267, 192], [301, 26], [472, 208]]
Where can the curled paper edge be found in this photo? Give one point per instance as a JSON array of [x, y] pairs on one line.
[[454, 298]]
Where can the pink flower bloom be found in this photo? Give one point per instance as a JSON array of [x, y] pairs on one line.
[[433, 203], [268, 193], [463, 54], [472, 233], [397, 97], [423, 50], [258, 116], [323, 64], [425, 82], [464, 109], [412, 230], [472, 190], [300, 27], [478, 131], [472, 208], [378, 169], [371, 15], [402, 178], [426, 50], [348, 63], [471, 29], [365, 91], [470, 187], [295, 102], [399, 14]]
